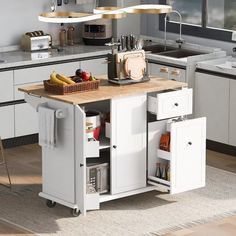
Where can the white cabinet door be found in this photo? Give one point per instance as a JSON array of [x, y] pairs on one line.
[[232, 113], [7, 122], [95, 66], [158, 70], [59, 163], [6, 88], [128, 139], [38, 74], [26, 120], [188, 155], [212, 102]]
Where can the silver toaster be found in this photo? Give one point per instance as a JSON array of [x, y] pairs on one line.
[[35, 42]]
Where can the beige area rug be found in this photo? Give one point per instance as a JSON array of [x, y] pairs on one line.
[[152, 213]]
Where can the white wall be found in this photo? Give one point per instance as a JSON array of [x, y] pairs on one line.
[[130, 24], [20, 16]]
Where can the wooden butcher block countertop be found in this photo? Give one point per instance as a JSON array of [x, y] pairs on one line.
[[107, 90]]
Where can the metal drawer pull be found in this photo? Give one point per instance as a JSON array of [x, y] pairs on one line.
[[81, 165], [176, 104], [114, 146], [164, 70], [175, 72], [189, 143]]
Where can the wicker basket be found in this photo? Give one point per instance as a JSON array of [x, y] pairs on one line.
[[71, 88]]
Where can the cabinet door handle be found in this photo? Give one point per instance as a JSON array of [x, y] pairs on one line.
[[175, 72], [190, 143], [114, 146], [164, 70], [81, 165], [176, 104]]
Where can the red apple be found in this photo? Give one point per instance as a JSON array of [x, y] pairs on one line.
[[85, 76]]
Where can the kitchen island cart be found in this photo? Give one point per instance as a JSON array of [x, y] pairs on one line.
[[139, 115]]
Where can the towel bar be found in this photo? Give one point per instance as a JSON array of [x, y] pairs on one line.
[[60, 113]]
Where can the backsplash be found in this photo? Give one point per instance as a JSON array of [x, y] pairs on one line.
[[18, 17]]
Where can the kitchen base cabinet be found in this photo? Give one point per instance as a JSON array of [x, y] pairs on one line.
[[26, 120], [6, 88], [167, 72], [95, 66], [129, 158], [7, 122], [212, 101], [232, 113]]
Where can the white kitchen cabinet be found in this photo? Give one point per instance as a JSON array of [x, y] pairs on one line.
[[131, 157], [7, 122], [232, 113], [38, 74], [6, 88], [128, 141], [95, 66], [186, 158], [26, 120], [18, 95], [158, 70], [212, 100]]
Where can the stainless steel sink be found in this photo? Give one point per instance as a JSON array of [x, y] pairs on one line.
[[158, 48], [180, 53]]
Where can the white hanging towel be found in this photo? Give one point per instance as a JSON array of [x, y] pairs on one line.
[[47, 127]]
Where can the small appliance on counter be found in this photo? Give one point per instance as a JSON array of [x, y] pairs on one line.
[[35, 41], [97, 32], [127, 63]]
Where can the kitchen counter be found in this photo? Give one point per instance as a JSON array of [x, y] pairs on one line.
[[224, 66], [107, 90], [13, 59]]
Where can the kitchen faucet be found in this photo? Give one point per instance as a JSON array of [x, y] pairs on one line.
[[180, 40]]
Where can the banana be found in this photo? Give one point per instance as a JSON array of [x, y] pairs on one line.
[[65, 79], [55, 80]]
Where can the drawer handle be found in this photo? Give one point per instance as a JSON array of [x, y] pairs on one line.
[[176, 104], [114, 146], [164, 70], [190, 143], [81, 165], [175, 72]]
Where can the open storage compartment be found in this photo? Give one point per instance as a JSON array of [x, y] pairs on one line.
[[186, 159], [97, 154]]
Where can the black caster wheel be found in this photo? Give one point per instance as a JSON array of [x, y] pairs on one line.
[[75, 212], [50, 204]]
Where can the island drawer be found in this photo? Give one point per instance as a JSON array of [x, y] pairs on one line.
[[171, 104]]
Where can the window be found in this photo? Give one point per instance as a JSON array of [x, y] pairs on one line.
[[214, 19], [191, 11]]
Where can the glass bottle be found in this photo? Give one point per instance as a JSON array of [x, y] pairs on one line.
[[163, 171], [158, 170]]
